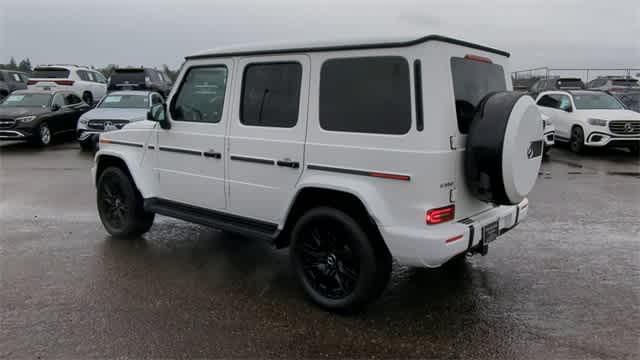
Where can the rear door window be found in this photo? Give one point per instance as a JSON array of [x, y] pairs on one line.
[[271, 95], [472, 81], [50, 73], [366, 95], [83, 75]]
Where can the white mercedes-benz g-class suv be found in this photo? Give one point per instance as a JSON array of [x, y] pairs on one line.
[[350, 154]]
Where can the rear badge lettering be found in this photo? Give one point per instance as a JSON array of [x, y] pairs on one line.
[[535, 149]]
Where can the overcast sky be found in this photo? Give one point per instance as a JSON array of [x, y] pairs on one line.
[[561, 33]]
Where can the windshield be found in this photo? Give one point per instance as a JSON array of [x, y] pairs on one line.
[[26, 100], [596, 101], [50, 73], [126, 101]]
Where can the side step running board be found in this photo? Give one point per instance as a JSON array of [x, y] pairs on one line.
[[211, 218]]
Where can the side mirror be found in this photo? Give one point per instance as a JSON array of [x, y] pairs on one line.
[[55, 107], [569, 109], [159, 113]]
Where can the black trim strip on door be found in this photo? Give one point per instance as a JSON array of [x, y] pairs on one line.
[[253, 160], [180, 151], [212, 218], [377, 174], [212, 154], [151, 147], [384, 45], [125, 143]]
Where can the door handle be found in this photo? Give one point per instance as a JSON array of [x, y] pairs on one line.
[[288, 163], [212, 154]]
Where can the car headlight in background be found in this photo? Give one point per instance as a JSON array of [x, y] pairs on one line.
[[597, 122], [26, 119], [84, 121]]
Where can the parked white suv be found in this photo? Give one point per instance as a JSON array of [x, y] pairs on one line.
[[591, 118], [351, 154], [88, 84]]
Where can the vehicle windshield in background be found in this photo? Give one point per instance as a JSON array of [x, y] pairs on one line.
[[472, 81], [596, 101], [49, 73], [626, 82], [128, 76], [631, 101], [126, 101], [26, 100]]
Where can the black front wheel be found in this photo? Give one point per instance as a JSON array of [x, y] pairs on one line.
[[87, 145], [87, 97], [577, 140], [335, 261], [120, 205]]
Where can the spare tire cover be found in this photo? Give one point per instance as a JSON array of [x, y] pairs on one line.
[[504, 148]]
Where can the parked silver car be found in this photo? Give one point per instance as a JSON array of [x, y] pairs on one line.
[[113, 112]]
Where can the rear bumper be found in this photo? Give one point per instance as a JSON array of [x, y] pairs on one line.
[[432, 246]]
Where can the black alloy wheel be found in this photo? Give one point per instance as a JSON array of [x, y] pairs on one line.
[[336, 261]]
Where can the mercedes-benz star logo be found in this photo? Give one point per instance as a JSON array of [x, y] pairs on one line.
[[628, 128]]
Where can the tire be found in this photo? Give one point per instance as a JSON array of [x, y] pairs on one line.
[[44, 136], [87, 145], [576, 143], [504, 148], [88, 98], [120, 205], [546, 150], [335, 262]]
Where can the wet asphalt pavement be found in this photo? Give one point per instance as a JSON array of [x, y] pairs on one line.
[[563, 285]]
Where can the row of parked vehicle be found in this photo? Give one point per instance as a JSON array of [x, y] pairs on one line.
[[60, 99], [604, 112]]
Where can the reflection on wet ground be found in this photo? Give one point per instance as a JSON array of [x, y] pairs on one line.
[[563, 285]]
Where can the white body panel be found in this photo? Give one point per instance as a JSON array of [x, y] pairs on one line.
[[266, 192]]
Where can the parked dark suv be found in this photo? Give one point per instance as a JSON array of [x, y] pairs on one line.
[[556, 83], [40, 115], [140, 79], [11, 81]]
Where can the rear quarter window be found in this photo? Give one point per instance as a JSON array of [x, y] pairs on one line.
[[366, 95], [472, 81]]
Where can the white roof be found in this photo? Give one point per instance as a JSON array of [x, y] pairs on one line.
[[324, 45]]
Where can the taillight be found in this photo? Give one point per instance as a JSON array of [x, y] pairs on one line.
[[478, 58], [32, 82], [440, 215], [64, 82]]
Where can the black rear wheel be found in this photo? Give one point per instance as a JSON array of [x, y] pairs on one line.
[[577, 140], [335, 262], [120, 206]]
